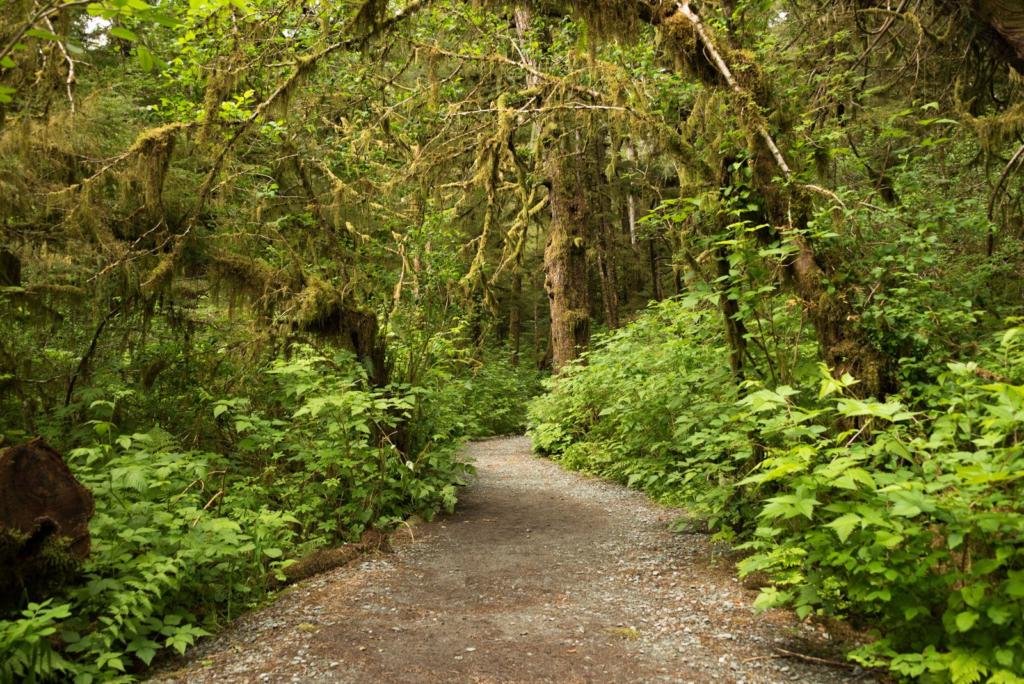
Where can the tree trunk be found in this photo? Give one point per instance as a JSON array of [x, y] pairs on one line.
[[609, 286], [515, 318], [841, 342], [565, 262], [1006, 18], [523, 14], [10, 269], [605, 244], [657, 291], [44, 522], [735, 330]]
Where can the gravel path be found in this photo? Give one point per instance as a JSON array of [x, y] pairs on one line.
[[540, 576]]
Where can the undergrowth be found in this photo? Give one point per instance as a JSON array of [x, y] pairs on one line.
[[185, 539], [902, 516]]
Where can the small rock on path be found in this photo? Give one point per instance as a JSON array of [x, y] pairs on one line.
[[541, 575]]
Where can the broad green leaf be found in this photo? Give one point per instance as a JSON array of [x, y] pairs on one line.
[[145, 58], [122, 33], [965, 620], [45, 35]]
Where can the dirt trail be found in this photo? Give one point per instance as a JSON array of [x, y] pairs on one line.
[[540, 576]]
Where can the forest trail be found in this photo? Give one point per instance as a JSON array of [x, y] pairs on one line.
[[541, 575]]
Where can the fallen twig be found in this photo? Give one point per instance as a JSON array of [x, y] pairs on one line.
[[812, 659]]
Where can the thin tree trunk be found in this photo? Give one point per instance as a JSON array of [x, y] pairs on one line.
[[631, 201], [515, 317], [605, 244], [735, 330], [565, 263], [657, 291]]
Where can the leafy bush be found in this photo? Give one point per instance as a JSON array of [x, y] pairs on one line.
[[492, 398], [184, 540], [917, 528], [653, 408], [903, 516]]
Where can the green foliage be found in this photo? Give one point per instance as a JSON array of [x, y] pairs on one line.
[[917, 528], [652, 408], [491, 398], [184, 540], [26, 653], [901, 515]]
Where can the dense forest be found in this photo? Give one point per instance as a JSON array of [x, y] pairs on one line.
[[265, 265]]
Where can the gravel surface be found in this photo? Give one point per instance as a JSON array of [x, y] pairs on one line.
[[540, 576]]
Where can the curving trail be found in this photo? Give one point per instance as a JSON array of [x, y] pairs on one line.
[[540, 576]]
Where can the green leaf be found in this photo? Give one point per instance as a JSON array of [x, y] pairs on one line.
[[122, 33], [966, 620], [45, 35], [145, 58], [844, 525], [998, 614], [162, 19], [146, 655]]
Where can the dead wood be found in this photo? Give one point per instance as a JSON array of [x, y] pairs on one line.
[[44, 520]]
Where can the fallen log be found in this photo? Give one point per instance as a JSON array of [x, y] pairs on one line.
[[322, 560]]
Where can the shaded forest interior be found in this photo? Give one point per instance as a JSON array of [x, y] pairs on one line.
[[265, 266]]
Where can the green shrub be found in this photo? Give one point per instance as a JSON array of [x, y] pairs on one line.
[[902, 516], [916, 530], [184, 540]]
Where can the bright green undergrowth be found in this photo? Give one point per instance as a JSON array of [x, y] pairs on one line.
[[903, 516], [186, 539]]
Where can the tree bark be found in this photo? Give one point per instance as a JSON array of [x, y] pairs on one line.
[[1006, 18], [565, 262], [605, 244], [515, 318]]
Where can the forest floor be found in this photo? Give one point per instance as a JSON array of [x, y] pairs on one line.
[[541, 575]]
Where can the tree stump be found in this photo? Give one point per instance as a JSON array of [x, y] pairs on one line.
[[44, 521]]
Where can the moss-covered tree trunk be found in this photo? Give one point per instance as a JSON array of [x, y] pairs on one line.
[[843, 345], [1006, 18], [565, 260]]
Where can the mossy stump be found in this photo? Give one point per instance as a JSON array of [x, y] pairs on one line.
[[44, 522]]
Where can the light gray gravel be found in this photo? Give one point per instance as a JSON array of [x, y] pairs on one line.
[[542, 575]]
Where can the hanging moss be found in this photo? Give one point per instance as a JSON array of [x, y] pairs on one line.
[[995, 131], [239, 274], [218, 88], [159, 279], [152, 151]]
